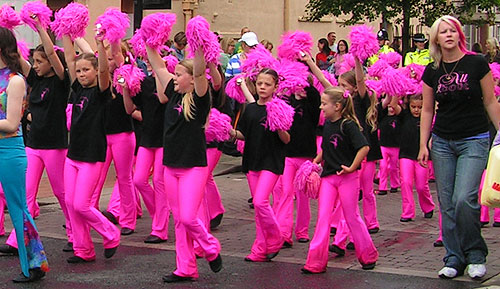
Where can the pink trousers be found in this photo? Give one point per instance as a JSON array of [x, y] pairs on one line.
[[389, 167], [366, 174], [80, 180], [185, 188], [212, 195], [268, 237], [345, 187], [283, 203], [53, 161], [413, 172], [121, 150]]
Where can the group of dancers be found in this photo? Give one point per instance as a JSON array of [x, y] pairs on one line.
[[96, 96]]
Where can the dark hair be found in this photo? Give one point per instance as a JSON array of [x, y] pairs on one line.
[[345, 43], [180, 38], [326, 49], [89, 57], [8, 50], [476, 47], [59, 53], [272, 72]]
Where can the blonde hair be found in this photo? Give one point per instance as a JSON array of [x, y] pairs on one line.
[[226, 42], [371, 113], [336, 95], [492, 46], [188, 107], [434, 48]]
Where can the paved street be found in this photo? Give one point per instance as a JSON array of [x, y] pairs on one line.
[[407, 256]]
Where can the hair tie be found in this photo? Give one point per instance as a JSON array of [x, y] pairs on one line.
[[347, 94]]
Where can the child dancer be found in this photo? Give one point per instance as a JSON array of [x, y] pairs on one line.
[[263, 162], [47, 141], [87, 151], [185, 160], [13, 161], [343, 149], [409, 168]]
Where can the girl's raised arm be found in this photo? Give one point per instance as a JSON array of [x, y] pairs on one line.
[[200, 79], [215, 75], [103, 66], [158, 66], [315, 70], [69, 56], [48, 47], [360, 77]]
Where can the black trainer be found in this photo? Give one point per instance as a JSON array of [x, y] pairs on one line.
[[8, 250], [172, 278], [35, 275], [216, 264]]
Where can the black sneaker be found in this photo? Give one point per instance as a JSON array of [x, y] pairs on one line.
[[8, 250], [215, 222], [438, 243], [110, 217], [216, 264], [152, 239], [172, 278], [429, 215], [373, 230], [76, 260], [382, 192], [68, 247], [287, 245], [337, 250], [35, 275], [394, 190], [303, 240], [126, 231], [496, 224], [484, 224], [405, 220], [369, 266], [109, 252], [350, 246]]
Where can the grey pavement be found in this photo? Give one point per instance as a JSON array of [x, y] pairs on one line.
[[407, 256]]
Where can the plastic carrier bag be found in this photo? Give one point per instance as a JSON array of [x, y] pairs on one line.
[[490, 195]]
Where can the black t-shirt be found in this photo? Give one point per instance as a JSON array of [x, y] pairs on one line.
[[223, 106], [184, 143], [303, 132], [460, 112], [117, 119], [87, 135], [342, 140], [361, 106], [264, 150], [47, 104], [410, 135], [153, 114], [389, 127]]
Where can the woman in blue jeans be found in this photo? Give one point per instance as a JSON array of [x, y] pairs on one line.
[[462, 86]]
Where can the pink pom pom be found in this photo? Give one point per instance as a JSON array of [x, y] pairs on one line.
[[495, 70], [71, 20], [113, 23], [292, 43], [375, 85], [294, 77], [8, 17], [279, 115], [156, 28], [198, 35], [42, 12], [171, 61], [23, 49], [415, 87], [363, 42], [307, 179], [233, 90], [240, 145], [219, 126], [257, 59], [395, 83], [378, 68], [348, 63], [414, 71], [392, 58], [330, 77], [138, 45], [132, 75]]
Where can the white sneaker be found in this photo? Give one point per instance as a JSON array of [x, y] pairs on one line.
[[476, 271], [448, 273]]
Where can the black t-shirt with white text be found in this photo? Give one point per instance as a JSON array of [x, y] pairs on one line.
[[87, 134], [342, 140], [47, 105], [263, 150], [184, 143], [460, 111]]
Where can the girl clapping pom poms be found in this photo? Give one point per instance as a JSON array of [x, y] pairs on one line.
[[343, 149]]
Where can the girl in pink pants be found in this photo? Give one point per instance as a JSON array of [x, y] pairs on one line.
[[410, 169], [47, 138], [302, 147], [389, 129], [150, 156], [343, 149], [87, 151], [263, 162], [185, 160]]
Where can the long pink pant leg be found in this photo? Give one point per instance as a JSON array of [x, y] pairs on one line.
[[389, 167], [121, 149], [366, 175], [80, 179], [268, 237], [154, 197], [185, 188], [53, 162], [411, 171], [212, 195], [346, 188]]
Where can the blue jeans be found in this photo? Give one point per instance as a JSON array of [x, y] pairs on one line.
[[458, 165]]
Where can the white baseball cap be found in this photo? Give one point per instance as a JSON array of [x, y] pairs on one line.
[[249, 38]]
